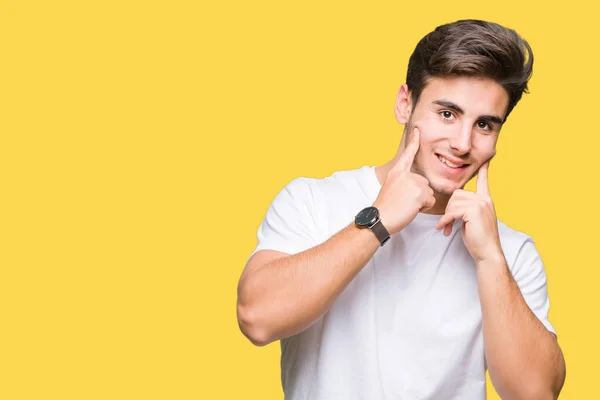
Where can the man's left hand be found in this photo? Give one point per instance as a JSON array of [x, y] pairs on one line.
[[480, 226]]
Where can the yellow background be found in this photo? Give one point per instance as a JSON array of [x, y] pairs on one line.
[[142, 142]]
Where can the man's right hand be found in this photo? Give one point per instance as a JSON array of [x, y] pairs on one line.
[[404, 194]]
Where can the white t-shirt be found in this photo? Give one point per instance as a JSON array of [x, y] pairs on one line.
[[409, 325]]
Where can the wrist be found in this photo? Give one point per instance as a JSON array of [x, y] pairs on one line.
[[492, 260], [364, 234], [369, 218], [387, 219], [492, 272]]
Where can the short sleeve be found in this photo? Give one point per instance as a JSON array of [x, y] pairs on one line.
[[530, 275], [291, 222]]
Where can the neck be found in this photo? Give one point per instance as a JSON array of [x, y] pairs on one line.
[[441, 201]]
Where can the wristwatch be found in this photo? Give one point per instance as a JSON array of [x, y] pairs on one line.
[[369, 218]]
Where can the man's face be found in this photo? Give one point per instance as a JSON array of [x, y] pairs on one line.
[[459, 120]]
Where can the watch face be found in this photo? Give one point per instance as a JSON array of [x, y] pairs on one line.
[[367, 216]]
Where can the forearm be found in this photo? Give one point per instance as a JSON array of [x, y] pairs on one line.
[[523, 357], [287, 295]]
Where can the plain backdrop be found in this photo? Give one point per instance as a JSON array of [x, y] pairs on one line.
[[142, 143]]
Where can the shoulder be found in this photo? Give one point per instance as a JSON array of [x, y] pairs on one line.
[[301, 188], [339, 183], [331, 200], [510, 236], [299, 198], [516, 246], [344, 183]]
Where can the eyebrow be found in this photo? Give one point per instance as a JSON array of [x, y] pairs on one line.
[[487, 118]]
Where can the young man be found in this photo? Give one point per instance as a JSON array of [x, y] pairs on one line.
[[393, 282]]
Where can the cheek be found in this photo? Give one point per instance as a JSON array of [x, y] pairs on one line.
[[485, 148], [425, 159], [429, 135], [433, 130]]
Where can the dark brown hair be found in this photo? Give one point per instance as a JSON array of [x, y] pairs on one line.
[[472, 48]]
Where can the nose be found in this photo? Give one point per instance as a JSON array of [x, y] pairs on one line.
[[460, 141]]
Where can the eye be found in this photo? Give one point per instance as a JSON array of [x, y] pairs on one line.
[[447, 114], [484, 125]]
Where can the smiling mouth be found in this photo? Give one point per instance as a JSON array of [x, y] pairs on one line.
[[450, 164]]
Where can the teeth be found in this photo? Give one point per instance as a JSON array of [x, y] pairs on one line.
[[448, 163]]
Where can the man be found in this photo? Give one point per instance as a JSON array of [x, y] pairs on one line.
[[393, 282]]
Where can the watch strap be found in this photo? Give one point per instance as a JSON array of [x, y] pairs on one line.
[[380, 232]]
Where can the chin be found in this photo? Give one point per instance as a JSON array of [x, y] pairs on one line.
[[446, 188], [439, 183]]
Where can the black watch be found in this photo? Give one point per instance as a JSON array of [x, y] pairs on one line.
[[369, 218]]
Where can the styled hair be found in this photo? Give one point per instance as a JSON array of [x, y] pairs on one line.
[[472, 48]]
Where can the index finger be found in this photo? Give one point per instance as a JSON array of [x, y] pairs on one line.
[[482, 179], [408, 156]]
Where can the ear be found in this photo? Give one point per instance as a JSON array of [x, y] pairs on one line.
[[403, 106]]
